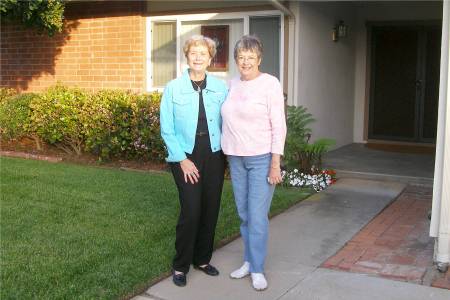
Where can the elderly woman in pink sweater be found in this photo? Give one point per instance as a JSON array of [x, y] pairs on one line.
[[253, 136]]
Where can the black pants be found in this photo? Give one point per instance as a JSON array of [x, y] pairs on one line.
[[200, 204]]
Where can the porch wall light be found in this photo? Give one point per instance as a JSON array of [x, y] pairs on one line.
[[339, 31]]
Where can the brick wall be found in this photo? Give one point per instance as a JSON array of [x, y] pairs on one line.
[[102, 46]]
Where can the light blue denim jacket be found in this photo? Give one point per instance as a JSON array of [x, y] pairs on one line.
[[179, 115]]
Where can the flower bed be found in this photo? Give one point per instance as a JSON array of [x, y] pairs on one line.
[[317, 180]]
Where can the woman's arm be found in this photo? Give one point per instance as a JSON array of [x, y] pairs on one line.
[[278, 126], [168, 127], [277, 116], [176, 153]]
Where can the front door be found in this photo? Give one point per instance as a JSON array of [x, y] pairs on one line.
[[404, 85]]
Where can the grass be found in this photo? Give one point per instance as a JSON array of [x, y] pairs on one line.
[[77, 232]]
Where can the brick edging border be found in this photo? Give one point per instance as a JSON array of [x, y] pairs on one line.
[[52, 159]]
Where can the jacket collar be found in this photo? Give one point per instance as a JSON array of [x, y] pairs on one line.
[[186, 85]]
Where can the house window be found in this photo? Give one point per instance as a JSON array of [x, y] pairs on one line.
[[164, 53], [167, 34]]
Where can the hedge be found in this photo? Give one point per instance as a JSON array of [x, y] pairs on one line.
[[108, 123]]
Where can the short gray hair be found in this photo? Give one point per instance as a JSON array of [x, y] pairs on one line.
[[200, 40], [248, 43]]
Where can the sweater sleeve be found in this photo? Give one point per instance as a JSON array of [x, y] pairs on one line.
[[277, 117]]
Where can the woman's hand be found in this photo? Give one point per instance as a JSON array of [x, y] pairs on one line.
[[275, 176], [190, 171], [275, 170]]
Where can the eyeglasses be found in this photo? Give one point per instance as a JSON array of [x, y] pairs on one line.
[[250, 59]]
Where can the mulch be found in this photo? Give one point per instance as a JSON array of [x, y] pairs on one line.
[[26, 148]]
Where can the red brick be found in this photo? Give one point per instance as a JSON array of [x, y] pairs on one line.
[[443, 283], [424, 261], [406, 273], [402, 260], [397, 243], [87, 38], [332, 263], [346, 266], [364, 270], [369, 265]]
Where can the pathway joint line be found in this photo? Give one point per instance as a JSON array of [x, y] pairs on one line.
[[153, 297], [297, 283]]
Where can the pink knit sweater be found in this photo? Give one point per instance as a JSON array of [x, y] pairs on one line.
[[253, 117]]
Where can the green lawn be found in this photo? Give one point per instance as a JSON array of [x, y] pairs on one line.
[[77, 232]]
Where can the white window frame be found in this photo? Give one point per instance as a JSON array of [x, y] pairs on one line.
[[244, 16]]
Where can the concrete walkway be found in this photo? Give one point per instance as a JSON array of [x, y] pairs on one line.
[[301, 239]]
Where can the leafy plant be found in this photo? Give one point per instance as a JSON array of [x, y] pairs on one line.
[[107, 123], [147, 142], [6, 93], [45, 15], [119, 123], [299, 152], [15, 118], [56, 117]]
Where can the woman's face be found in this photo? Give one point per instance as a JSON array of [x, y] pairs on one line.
[[248, 64], [198, 58]]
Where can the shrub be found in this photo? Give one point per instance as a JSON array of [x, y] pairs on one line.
[[300, 153], [119, 123], [107, 123], [147, 141], [15, 118], [56, 117], [6, 93]]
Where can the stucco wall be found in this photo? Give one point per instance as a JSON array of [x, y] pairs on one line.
[[380, 11], [326, 68]]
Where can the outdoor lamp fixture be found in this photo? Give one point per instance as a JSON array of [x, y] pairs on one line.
[[339, 31]]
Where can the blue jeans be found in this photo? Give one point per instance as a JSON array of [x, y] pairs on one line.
[[253, 195]]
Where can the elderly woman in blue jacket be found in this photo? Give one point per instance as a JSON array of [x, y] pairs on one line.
[[191, 129]]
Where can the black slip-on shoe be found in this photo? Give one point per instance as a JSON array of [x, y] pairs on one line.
[[179, 279], [208, 269]]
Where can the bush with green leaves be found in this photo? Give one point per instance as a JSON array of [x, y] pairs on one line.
[[44, 15], [147, 141], [107, 123], [6, 93], [299, 152], [121, 124], [56, 117], [15, 118]]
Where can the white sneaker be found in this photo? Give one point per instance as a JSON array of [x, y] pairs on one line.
[[259, 281], [242, 271]]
